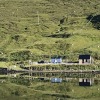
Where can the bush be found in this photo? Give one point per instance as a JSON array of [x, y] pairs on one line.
[[95, 20], [21, 81], [3, 59], [20, 56]]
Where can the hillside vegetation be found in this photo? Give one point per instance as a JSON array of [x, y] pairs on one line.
[[33, 29], [39, 90]]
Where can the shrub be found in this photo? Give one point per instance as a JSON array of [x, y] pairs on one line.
[[20, 56]]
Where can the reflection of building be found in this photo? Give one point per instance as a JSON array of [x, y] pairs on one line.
[[3, 70], [56, 60], [56, 80], [85, 59], [86, 81]]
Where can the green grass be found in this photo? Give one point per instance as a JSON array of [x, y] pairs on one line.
[[19, 29], [48, 91], [3, 64], [9, 65]]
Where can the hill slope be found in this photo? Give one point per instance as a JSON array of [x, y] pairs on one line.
[[48, 27]]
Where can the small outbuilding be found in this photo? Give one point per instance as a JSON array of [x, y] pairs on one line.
[[56, 60], [85, 59], [56, 80], [86, 81]]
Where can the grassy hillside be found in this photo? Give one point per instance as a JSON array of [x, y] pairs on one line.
[[39, 90], [31, 28]]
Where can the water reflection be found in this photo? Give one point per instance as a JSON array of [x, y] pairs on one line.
[[31, 75], [43, 74], [61, 75]]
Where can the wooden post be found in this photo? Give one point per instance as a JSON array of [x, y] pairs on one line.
[[30, 73]]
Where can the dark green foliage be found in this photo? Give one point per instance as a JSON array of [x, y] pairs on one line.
[[21, 81], [3, 59], [95, 21], [16, 93], [96, 82], [20, 56], [61, 96], [65, 35], [63, 20], [16, 37], [64, 28], [96, 56]]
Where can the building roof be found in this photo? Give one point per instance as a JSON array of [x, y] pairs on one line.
[[84, 56]]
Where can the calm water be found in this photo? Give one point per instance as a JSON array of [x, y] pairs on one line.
[[48, 75]]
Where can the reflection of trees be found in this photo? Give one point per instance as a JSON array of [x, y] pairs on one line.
[[65, 75]]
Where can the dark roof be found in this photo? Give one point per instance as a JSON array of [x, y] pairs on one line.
[[84, 56]]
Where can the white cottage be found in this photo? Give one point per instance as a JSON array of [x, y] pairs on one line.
[[85, 59], [86, 81]]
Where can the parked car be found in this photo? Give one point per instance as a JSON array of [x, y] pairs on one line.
[[41, 62]]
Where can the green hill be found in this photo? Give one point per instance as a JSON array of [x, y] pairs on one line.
[[39, 90], [43, 28]]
